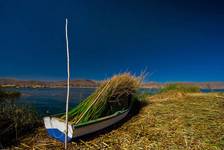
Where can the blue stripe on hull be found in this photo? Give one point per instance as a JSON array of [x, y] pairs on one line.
[[58, 135]]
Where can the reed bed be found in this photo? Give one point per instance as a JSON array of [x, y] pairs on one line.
[[177, 87], [15, 120], [114, 94]]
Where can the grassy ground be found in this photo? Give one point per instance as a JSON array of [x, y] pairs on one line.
[[169, 121]]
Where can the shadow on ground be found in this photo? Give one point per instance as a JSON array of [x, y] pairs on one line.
[[134, 111]]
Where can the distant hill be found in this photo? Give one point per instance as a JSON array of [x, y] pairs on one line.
[[46, 84], [92, 83]]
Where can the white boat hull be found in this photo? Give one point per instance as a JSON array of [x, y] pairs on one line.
[[56, 127]]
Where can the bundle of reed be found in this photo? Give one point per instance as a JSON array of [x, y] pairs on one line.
[[112, 95]]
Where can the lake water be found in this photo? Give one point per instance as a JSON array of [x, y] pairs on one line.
[[49, 101], [215, 90]]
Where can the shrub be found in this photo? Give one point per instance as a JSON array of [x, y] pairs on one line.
[[180, 88], [8, 95], [14, 120]]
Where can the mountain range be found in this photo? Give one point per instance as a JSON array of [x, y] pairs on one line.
[[93, 83]]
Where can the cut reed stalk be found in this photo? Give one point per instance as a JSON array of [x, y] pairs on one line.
[[113, 95]]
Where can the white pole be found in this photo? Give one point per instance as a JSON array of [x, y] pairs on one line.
[[68, 79]]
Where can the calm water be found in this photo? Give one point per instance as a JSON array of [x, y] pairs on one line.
[[48, 101], [52, 100], [216, 90]]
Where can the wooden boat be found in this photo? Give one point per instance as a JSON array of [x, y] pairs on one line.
[[56, 127]]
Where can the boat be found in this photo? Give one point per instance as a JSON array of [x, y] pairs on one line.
[[65, 131], [56, 127]]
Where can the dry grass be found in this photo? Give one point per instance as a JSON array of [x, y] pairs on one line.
[[187, 121], [114, 94]]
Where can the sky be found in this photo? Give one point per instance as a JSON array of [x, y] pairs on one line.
[[174, 40]]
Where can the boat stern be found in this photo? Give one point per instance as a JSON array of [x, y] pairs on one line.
[[56, 128]]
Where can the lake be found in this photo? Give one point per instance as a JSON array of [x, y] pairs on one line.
[[49, 101]]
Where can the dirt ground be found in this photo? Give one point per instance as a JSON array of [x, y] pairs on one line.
[[168, 121]]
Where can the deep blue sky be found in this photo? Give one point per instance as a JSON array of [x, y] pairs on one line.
[[176, 40]]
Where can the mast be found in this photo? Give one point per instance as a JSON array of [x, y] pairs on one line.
[[68, 80]]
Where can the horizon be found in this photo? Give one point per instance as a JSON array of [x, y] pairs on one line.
[[176, 41], [17, 79]]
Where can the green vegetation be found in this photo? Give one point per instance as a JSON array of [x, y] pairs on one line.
[[113, 95], [180, 88], [14, 120], [8, 95]]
